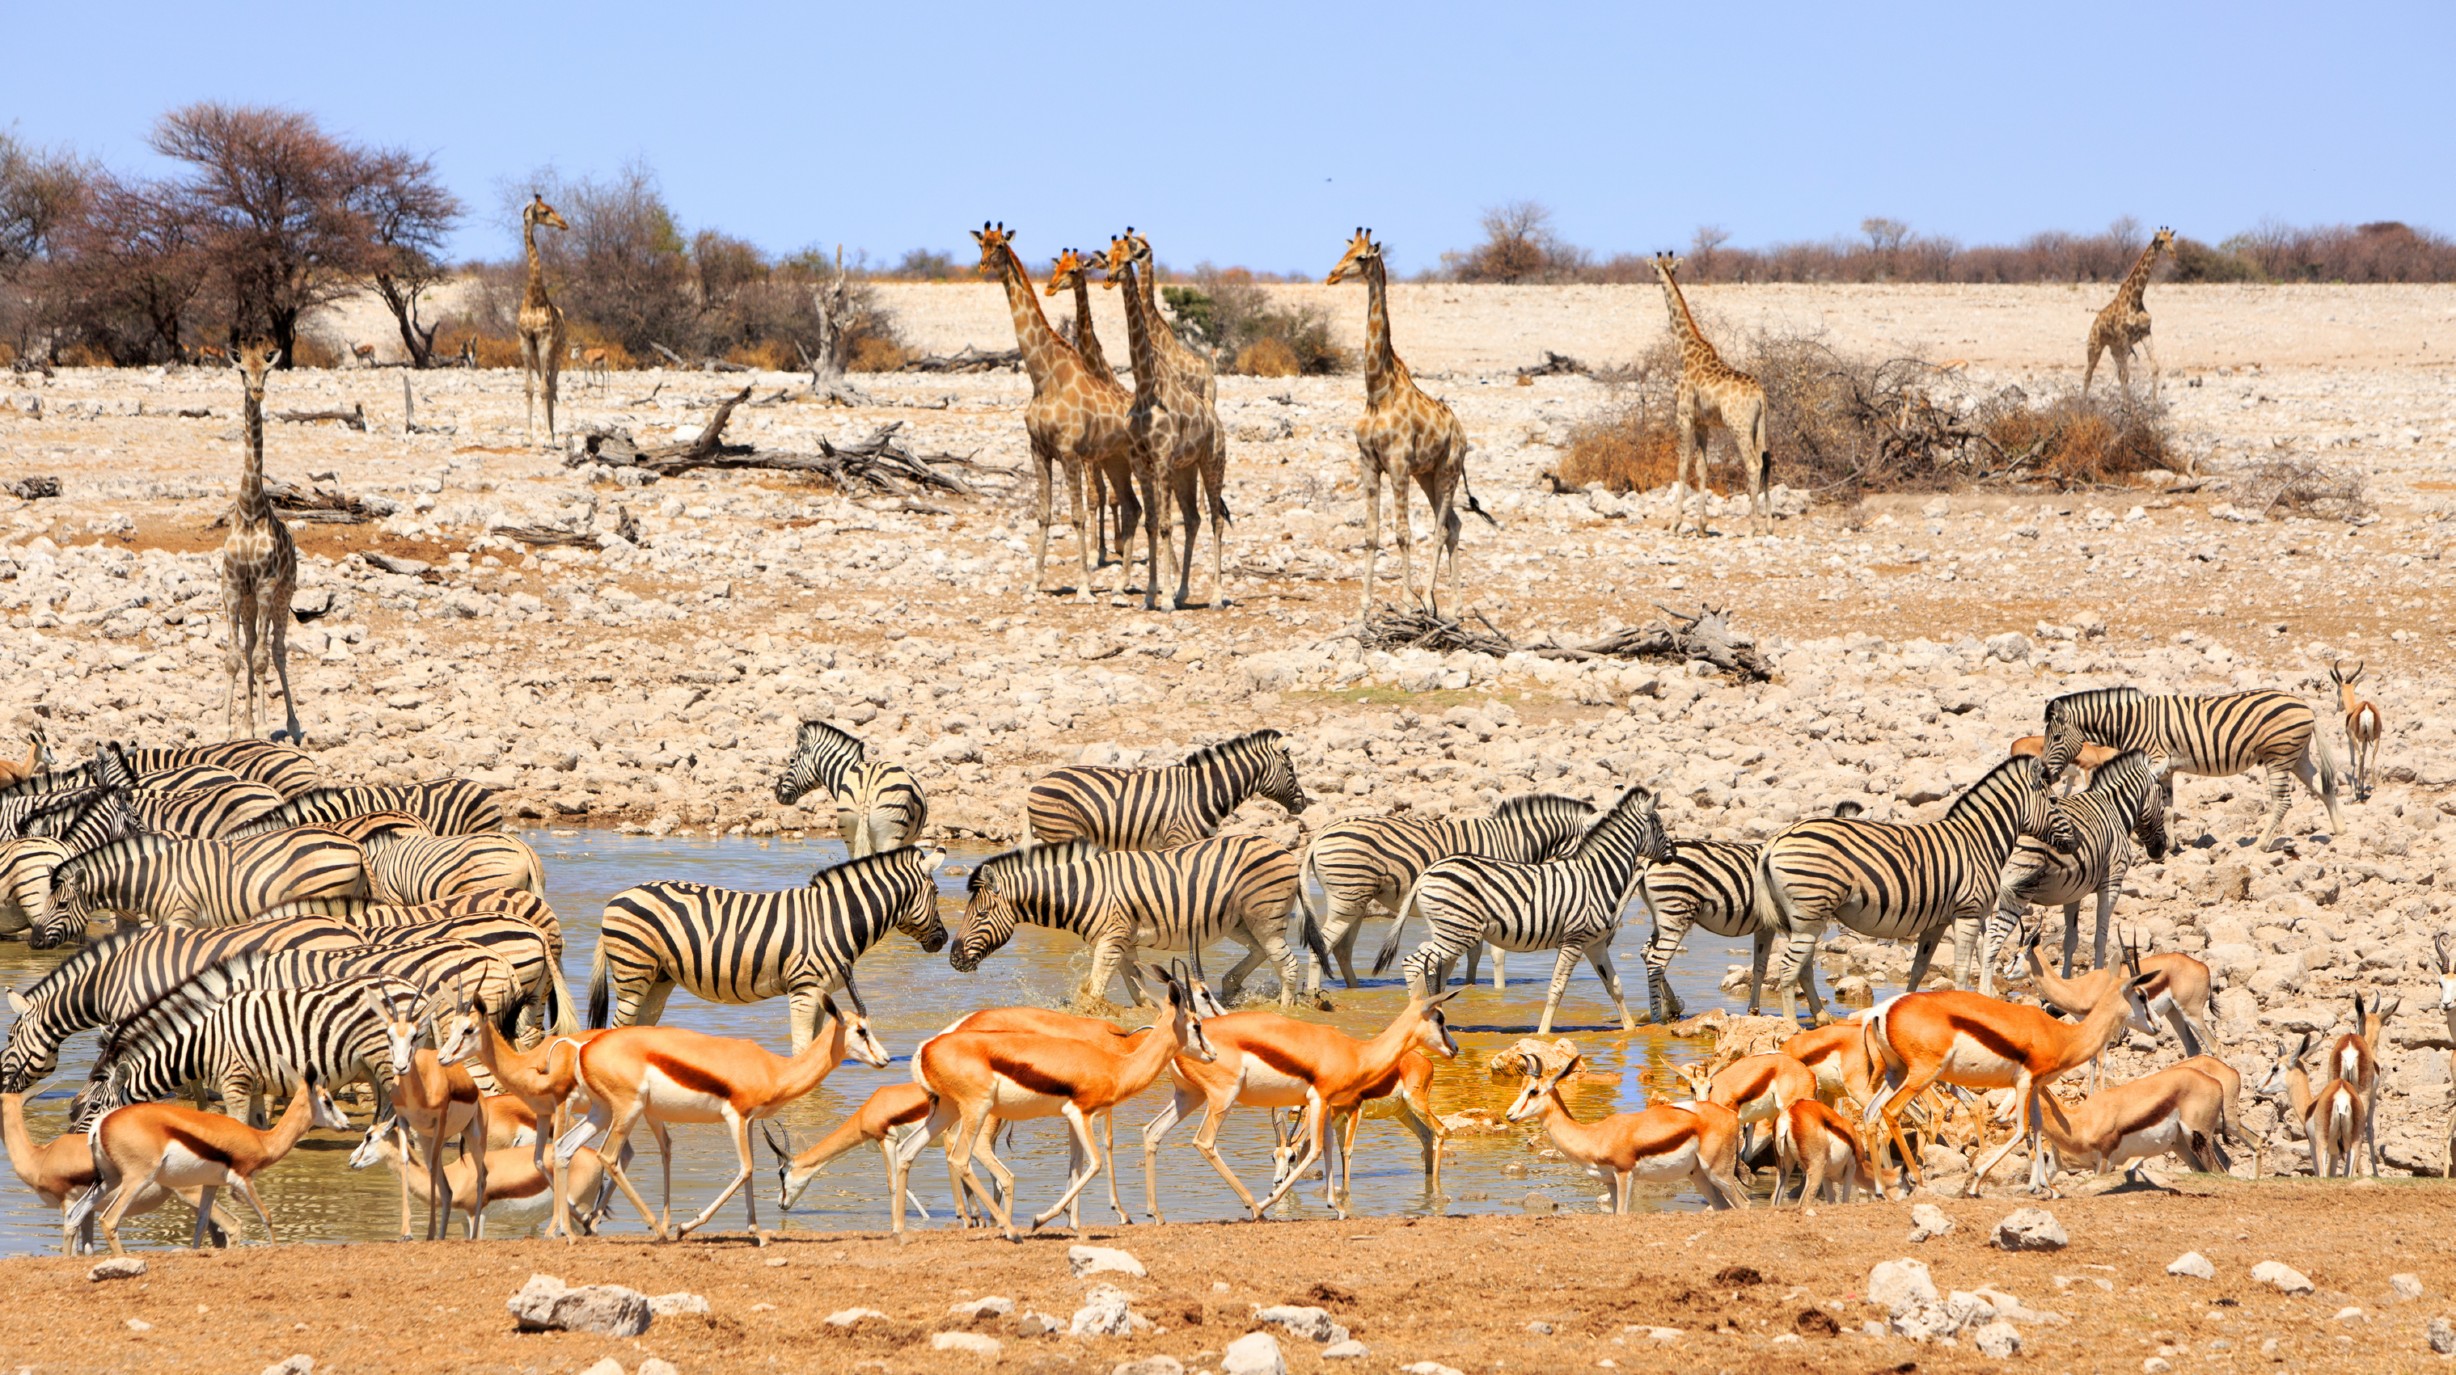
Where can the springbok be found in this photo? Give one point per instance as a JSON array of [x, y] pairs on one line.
[[1827, 1151], [2331, 1120], [2178, 1111], [1837, 1055], [2230, 1083], [510, 1184], [1266, 1060], [438, 1101], [2177, 992], [1759, 1088], [891, 1113], [2354, 1058], [542, 1079], [974, 1076], [2362, 727], [60, 1171], [2090, 759], [1979, 1042], [147, 1146], [1411, 1083], [664, 1075], [1667, 1143]]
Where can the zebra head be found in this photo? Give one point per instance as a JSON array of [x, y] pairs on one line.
[[821, 755], [70, 909], [1544, 1067], [2064, 737], [1265, 752], [106, 1089], [1632, 829], [2032, 808], [989, 911], [919, 918]]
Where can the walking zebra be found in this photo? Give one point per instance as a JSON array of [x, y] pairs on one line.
[[1713, 884], [1371, 862], [199, 882], [1903, 882], [25, 881], [1124, 902], [1571, 904], [879, 806], [109, 980], [1153, 809], [2216, 736], [729, 946], [242, 1043], [518, 926], [2126, 797], [449, 807]]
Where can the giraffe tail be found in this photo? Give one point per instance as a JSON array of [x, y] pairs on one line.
[[1473, 505]]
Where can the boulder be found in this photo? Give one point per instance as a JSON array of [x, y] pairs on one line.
[[2279, 1275], [1928, 1220], [300, 1364], [1095, 1260], [1997, 1341], [1898, 1284], [116, 1268], [1312, 1324], [852, 1317], [2192, 1265], [1255, 1353], [546, 1304], [2030, 1229], [1107, 1312], [1149, 1365]]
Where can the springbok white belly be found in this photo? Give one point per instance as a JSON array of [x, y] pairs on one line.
[[1671, 1166], [1972, 1064]]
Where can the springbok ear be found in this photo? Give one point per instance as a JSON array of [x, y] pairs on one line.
[[1439, 998]]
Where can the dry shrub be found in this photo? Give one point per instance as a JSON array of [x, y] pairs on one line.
[[1230, 314], [1631, 449], [768, 355], [876, 353], [1269, 356], [2078, 443], [2297, 486]]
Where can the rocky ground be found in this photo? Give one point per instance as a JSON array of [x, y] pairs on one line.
[[654, 684]]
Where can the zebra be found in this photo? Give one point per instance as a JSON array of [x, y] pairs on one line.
[[1713, 884], [26, 866], [879, 806], [518, 926], [408, 869], [198, 882], [725, 945], [449, 807], [1123, 902], [1372, 861], [366, 913], [109, 980], [2126, 797], [207, 812], [445, 970], [1154, 809], [2216, 736], [1903, 882], [1571, 904], [285, 770], [242, 1043]]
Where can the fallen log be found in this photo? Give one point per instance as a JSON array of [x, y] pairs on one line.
[[967, 359], [1557, 364], [355, 417], [324, 503], [545, 535], [1706, 636], [33, 488], [878, 463]]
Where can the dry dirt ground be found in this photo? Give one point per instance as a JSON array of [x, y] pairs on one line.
[[1765, 1290]]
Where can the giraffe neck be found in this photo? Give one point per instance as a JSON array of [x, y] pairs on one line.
[[1042, 349], [1381, 361], [253, 506], [1087, 342], [535, 295], [1141, 349], [2137, 280], [1693, 345]]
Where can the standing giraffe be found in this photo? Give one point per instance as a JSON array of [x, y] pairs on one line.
[[540, 322], [259, 568], [1177, 433], [2124, 324], [1112, 481], [1404, 434], [1711, 393], [1076, 419]]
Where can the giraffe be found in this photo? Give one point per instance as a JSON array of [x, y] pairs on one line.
[[1076, 419], [540, 321], [1403, 434], [1711, 393], [1113, 481], [2124, 323], [1177, 433], [259, 568]]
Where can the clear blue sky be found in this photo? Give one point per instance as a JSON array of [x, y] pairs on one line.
[[1260, 134]]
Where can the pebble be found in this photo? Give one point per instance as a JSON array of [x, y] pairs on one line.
[[974, 1343], [300, 1364], [1149, 1365], [2192, 1265], [117, 1268], [1539, 1203], [1255, 1353], [1540, 1328], [2156, 1365], [653, 1366], [2441, 1334], [1928, 1220], [2350, 1313], [667, 1305], [2281, 1276], [852, 1317], [1312, 1324], [1430, 1368], [1998, 1340], [995, 1306], [2030, 1229], [1348, 1350], [1095, 1260], [139, 1325], [606, 1366], [2406, 1287]]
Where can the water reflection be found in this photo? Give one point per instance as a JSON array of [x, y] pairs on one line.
[[315, 1195]]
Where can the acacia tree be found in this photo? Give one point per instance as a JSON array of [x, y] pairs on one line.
[[131, 267], [408, 215]]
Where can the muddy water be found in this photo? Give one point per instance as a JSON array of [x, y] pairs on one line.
[[315, 1195]]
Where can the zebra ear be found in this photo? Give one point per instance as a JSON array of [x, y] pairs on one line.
[[19, 1005], [931, 860]]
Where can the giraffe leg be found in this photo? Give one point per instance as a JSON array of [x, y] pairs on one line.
[[1403, 526], [1148, 478], [1189, 511], [1085, 534], [553, 362], [2122, 354], [2149, 350], [1760, 461], [278, 623], [1042, 458], [528, 386], [1371, 464], [1214, 483], [2092, 370], [234, 660]]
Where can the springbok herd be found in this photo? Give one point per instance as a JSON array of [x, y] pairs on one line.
[[284, 934]]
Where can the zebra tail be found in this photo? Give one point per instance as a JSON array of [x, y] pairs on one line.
[[1310, 932], [1389, 952], [600, 989], [558, 999], [2326, 759]]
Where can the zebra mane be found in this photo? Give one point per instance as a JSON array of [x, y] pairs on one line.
[[178, 1009], [824, 731], [1541, 805], [1988, 786], [1230, 748], [2094, 697], [1029, 859], [884, 859], [1637, 793]]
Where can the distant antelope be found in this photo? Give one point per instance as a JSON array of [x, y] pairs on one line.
[[1666, 1143], [148, 1145], [364, 353], [593, 362], [2361, 727]]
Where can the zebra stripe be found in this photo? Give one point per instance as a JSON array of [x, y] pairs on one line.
[[111, 979], [25, 881], [1713, 884], [1154, 809], [199, 882], [879, 806], [1123, 902], [368, 914], [80, 819], [205, 813], [725, 945], [2126, 797], [449, 807], [408, 869], [285, 770], [459, 972], [1371, 862], [518, 926], [1571, 904], [1903, 882], [2215, 736], [241, 1043]]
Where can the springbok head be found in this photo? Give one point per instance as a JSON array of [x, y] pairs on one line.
[[2281, 1071], [1544, 1070], [860, 1043]]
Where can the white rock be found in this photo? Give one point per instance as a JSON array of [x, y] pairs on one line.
[[667, 1305], [2156, 1365], [1255, 1353], [1928, 1220], [2030, 1229], [117, 1268], [139, 1325], [973, 1343], [2406, 1287], [1312, 1324], [1107, 1312], [995, 1306], [2192, 1265], [654, 1366], [300, 1364], [546, 1304], [1094, 1260], [1998, 1340], [1430, 1368], [852, 1317], [2350, 1314], [2441, 1334], [2281, 1276], [1923, 1322], [1899, 1284], [1348, 1350], [605, 1366]]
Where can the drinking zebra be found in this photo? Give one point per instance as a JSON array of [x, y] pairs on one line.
[[210, 811], [1124, 902], [1713, 884], [25, 881], [448, 806], [2126, 797], [112, 978], [409, 867], [2216, 736], [729, 946], [178, 881], [1571, 904], [879, 806], [1153, 809], [1371, 862], [1903, 882], [517, 926]]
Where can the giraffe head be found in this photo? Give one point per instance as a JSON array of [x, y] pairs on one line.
[[1361, 251], [1666, 265], [996, 240], [1067, 272], [537, 212], [256, 358], [2162, 242], [1127, 250]]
